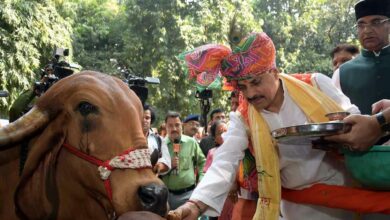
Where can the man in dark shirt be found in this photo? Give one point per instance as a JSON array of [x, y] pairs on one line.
[[208, 142]]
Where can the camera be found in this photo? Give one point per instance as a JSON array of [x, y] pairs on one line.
[[205, 94], [137, 83], [56, 70], [3, 93]]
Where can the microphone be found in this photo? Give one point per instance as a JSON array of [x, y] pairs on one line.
[[176, 151], [3, 93]]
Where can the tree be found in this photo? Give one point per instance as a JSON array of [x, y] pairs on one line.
[[29, 30], [98, 31], [304, 32], [158, 31]]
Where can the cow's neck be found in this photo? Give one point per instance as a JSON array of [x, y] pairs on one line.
[[36, 193], [76, 182], [9, 163], [9, 156]]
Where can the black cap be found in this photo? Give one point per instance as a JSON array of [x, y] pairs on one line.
[[372, 7], [191, 118]]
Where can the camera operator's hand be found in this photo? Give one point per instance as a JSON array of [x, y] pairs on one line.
[[39, 87]]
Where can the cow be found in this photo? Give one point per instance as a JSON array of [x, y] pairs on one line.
[[79, 153]]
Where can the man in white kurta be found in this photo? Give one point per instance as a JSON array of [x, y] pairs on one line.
[[300, 165], [252, 70]]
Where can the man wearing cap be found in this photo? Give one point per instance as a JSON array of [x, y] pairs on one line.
[[365, 79], [271, 100], [191, 125]]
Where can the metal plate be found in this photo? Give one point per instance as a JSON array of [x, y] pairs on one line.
[[307, 133]]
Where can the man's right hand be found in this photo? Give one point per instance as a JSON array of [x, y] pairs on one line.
[[188, 211]]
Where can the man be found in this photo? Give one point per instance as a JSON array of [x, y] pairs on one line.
[[365, 79], [366, 130], [159, 153], [217, 114], [343, 53], [186, 157], [208, 142], [191, 125], [234, 98], [272, 101]]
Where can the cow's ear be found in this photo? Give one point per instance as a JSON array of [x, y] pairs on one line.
[[37, 191]]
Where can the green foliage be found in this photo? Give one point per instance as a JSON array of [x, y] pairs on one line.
[[29, 30], [304, 32], [147, 35], [97, 26], [156, 32]]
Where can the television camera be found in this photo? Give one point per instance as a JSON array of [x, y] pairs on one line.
[[56, 70], [3, 93], [205, 97], [137, 83]]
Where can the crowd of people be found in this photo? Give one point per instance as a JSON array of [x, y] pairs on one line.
[[234, 169]]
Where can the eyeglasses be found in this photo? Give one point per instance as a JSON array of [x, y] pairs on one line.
[[374, 24]]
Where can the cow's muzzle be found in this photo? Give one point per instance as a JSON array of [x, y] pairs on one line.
[[154, 198]]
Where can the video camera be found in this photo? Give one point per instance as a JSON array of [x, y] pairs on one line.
[[205, 94], [205, 97], [138, 84], [3, 93], [56, 70]]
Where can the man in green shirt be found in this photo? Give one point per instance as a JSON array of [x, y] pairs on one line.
[[187, 158]]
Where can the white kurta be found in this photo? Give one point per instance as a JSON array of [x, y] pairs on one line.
[[300, 165], [336, 78]]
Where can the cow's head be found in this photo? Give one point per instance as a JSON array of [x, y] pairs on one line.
[[101, 117]]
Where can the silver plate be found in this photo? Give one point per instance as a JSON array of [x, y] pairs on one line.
[[306, 134]]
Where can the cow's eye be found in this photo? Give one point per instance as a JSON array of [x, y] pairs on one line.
[[86, 108]]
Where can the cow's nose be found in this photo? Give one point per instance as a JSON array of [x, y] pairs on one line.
[[154, 198]]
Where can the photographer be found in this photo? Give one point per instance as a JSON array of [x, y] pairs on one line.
[[53, 72], [160, 158]]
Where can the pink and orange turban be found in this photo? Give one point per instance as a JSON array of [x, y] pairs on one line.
[[254, 55]]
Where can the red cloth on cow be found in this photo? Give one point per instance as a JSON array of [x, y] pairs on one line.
[[342, 197]]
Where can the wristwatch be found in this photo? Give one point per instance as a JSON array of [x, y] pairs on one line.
[[385, 126]]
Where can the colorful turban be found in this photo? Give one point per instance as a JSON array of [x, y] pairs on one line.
[[204, 65], [255, 54]]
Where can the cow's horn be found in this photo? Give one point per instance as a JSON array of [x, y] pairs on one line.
[[19, 129]]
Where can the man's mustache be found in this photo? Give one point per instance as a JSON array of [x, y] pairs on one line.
[[251, 99]]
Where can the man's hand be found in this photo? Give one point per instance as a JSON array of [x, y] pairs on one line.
[[364, 133], [191, 210], [188, 211], [233, 193], [175, 162], [160, 168], [380, 106]]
